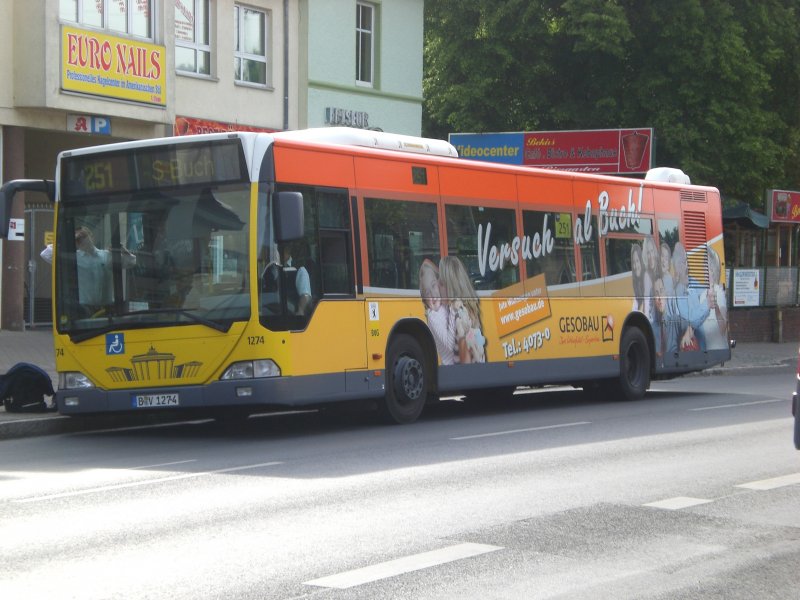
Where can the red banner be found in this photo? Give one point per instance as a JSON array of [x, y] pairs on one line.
[[191, 126], [784, 207], [590, 151]]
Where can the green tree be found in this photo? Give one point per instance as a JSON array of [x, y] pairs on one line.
[[474, 52]]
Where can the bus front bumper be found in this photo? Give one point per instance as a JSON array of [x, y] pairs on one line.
[[255, 393]]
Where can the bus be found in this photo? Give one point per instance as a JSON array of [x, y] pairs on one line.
[[244, 272]]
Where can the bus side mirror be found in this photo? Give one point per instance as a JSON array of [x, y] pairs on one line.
[[288, 216]]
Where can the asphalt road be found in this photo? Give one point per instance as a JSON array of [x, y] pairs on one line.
[[690, 493]]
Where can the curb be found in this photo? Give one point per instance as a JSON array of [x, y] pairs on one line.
[[60, 424], [744, 369]]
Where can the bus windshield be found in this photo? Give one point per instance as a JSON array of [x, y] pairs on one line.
[[153, 258]]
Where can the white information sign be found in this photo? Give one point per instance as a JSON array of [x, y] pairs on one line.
[[16, 229], [746, 286]]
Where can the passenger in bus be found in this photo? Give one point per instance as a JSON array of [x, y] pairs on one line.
[[302, 281], [47, 254], [440, 322], [637, 275], [94, 270], [464, 308], [651, 273], [715, 330], [282, 265], [175, 261], [666, 326], [666, 269]]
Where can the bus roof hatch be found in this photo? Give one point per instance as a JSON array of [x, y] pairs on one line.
[[350, 136]]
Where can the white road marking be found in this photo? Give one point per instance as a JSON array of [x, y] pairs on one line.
[[771, 484], [512, 431], [678, 503], [166, 464], [119, 486], [403, 565], [739, 404]]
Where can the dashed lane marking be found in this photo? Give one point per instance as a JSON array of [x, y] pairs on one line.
[[771, 484], [678, 503], [718, 406], [403, 565], [764, 484], [513, 431]]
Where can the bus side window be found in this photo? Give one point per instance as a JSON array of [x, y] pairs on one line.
[[590, 255], [400, 236], [556, 262], [331, 270], [497, 228], [335, 273]]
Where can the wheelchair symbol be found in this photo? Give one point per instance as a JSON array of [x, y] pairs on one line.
[[115, 344]]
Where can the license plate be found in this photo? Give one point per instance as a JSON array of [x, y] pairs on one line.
[[155, 400]]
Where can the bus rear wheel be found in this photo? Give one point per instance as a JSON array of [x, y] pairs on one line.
[[406, 381], [634, 366]]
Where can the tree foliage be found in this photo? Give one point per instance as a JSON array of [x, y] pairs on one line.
[[718, 80]]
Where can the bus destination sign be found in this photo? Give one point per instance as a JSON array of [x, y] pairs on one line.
[[154, 168]]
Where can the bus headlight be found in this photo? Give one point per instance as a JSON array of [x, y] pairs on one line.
[[73, 380], [252, 369]]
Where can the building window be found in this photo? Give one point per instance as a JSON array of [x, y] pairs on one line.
[[250, 35], [365, 44], [192, 46], [134, 17]]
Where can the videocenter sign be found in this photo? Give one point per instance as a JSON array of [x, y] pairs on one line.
[[589, 151]]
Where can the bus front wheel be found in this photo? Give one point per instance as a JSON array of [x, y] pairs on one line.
[[406, 381], [634, 365]]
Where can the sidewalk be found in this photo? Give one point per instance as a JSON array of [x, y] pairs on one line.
[[36, 346]]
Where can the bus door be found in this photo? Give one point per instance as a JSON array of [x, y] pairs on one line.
[[308, 286]]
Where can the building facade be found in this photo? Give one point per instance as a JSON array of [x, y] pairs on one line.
[[85, 72], [361, 64]]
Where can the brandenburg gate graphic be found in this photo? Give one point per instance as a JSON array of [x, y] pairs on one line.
[[152, 366]]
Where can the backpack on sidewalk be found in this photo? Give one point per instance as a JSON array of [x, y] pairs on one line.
[[24, 387]]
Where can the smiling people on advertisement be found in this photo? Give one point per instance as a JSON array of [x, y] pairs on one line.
[[437, 312], [465, 309], [637, 273]]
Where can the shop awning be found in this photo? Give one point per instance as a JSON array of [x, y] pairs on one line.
[[744, 216]]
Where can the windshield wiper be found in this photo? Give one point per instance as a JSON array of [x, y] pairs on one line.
[[117, 321], [86, 334], [184, 312]]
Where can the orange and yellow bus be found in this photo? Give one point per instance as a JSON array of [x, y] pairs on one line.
[[245, 271]]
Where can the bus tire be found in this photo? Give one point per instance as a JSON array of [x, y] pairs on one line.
[[407, 378], [634, 366]]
